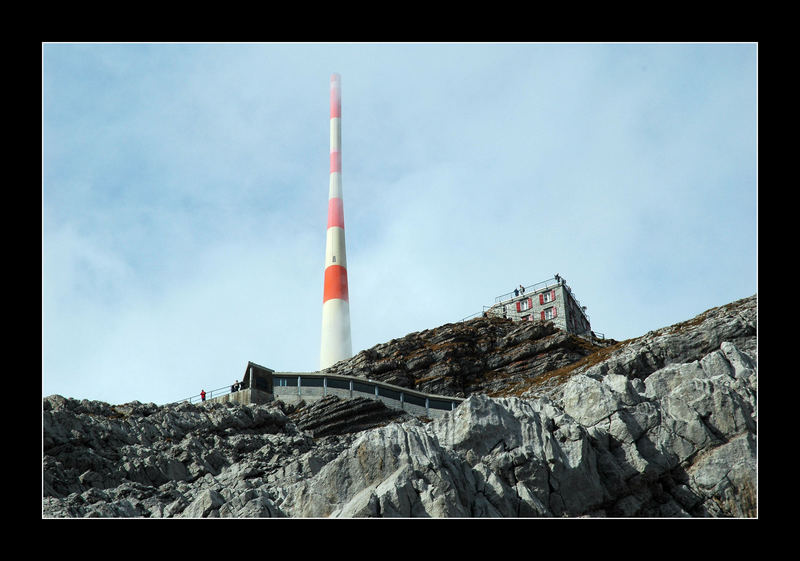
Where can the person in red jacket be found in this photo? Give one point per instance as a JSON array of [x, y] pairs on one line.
[[203, 395]]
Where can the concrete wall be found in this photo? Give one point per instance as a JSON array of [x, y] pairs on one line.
[[314, 386]]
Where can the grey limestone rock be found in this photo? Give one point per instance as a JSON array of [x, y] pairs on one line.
[[661, 426]]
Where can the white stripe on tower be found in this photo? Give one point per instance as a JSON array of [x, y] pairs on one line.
[[335, 344]]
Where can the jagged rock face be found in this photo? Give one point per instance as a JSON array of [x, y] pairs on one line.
[[661, 426], [482, 355], [333, 416]]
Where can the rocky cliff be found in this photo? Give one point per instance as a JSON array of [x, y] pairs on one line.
[[660, 426]]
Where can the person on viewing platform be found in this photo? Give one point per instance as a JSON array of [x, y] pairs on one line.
[[202, 395]]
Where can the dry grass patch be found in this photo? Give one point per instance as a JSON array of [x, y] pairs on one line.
[[558, 376]]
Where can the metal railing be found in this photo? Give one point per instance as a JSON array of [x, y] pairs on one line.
[[219, 392], [476, 314], [309, 383], [532, 288]]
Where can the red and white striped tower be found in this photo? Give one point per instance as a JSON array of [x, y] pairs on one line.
[[335, 345]]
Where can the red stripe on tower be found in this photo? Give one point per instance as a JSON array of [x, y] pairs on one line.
[[335, 283], [335, 212]]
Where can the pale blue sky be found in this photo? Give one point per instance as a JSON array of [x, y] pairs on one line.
[[184, 196]]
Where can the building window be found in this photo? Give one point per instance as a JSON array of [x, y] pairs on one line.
[[546, 297], [549, 313]]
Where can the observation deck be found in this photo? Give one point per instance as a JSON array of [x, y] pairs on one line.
[[262, 385]]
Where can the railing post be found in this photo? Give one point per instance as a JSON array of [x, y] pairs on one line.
[[299, 383]]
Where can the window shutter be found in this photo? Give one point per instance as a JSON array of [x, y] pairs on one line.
[[552, 295], [542, 313], [518, 306], [541, 300], [530, 303], [555, 311]]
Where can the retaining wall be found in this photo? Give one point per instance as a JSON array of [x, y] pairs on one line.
[[293, 387]]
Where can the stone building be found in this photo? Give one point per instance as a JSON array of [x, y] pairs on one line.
[[550, 300]]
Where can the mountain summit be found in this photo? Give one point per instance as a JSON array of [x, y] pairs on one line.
[[553, 425]]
